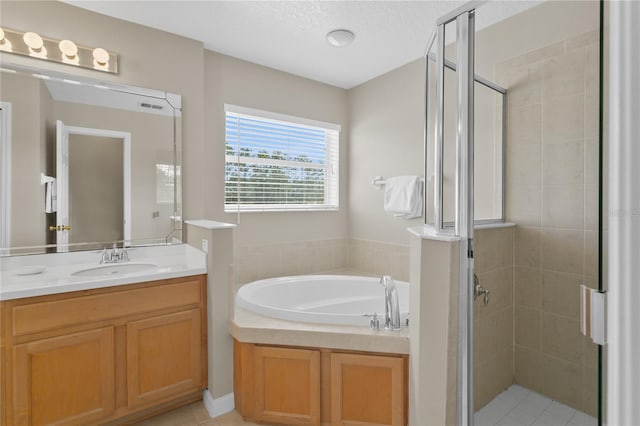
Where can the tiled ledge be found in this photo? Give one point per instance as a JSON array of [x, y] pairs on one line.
[[249, 327]]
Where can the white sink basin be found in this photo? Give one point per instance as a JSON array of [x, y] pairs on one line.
[[114, 269]]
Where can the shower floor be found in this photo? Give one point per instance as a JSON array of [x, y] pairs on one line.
[[518, 406]]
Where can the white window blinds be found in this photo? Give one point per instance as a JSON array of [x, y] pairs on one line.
[[278, 162]]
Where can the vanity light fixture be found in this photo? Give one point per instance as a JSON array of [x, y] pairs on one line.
[[340, 38], [63, 51]]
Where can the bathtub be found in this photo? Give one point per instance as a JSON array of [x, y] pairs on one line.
[[328, 299]]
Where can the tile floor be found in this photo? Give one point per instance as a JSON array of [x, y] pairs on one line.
[[194, 415], [518, 406]]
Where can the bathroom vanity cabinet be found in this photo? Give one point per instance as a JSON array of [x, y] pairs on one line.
[[310, 386], [103, 356]]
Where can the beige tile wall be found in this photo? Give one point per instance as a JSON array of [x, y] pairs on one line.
[[377, 258], [493, 332], [259, 261], [552, 176]]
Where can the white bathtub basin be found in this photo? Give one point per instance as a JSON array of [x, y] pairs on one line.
[[110, 270], [329, 299]]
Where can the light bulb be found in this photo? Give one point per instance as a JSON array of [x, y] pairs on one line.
[[101, 56], [5, 44], [33, 40], [68, 48]]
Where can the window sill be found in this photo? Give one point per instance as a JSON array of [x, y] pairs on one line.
[[262, 209]]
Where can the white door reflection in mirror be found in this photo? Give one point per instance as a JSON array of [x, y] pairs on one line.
[[93, 168]]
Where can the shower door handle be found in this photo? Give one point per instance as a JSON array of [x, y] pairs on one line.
[[593, 313]]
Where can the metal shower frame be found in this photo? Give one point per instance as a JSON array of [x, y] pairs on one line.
[[463, 226]]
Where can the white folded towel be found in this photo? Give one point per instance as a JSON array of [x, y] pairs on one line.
[[50, 195], [403, 196]]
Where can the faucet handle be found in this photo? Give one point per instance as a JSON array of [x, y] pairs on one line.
[[384, 280], [374, 324]]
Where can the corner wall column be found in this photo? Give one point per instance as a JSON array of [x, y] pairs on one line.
[[434, 278], [219, 237]]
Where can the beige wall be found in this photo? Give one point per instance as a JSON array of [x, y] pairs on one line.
[[272, 244], [387, 116], [95, 188], [233, 81]]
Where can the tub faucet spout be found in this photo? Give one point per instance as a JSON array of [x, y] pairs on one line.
[[391, 304]]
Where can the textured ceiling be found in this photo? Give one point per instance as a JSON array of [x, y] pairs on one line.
[[290, 35]]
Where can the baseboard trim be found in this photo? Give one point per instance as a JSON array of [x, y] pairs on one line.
[[219, 406]]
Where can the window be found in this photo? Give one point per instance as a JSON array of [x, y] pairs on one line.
[[165, 183], [279, 162]]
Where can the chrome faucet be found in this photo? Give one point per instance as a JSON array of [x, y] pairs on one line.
[[391, 304], [115, 255]]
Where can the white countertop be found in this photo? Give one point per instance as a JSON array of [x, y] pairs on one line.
[[55, 270], [428, 232], [209, 224]]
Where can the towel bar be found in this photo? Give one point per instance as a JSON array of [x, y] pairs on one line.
[[379, 182]]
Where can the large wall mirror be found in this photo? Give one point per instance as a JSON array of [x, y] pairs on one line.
[[86, 164]]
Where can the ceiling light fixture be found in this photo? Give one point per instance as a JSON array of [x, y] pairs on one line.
[[340, 38]]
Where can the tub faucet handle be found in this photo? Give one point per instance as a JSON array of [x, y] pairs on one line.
[[374, 324], [478, 290]]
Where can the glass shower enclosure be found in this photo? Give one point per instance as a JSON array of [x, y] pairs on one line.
[[518, 140]]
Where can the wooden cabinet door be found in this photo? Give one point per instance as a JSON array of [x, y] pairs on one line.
[[367, 390], [287, 385], [66, 380], [164, 357]]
